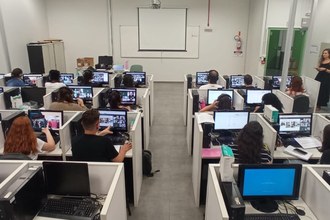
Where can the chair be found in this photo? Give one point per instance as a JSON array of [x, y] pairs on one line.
[[300, 104], [136, 68]]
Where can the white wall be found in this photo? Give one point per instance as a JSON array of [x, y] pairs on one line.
[[24, 22], [83, 25], [215, 48]]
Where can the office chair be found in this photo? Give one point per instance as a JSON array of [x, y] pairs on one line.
[[300, 104], [136, 68]]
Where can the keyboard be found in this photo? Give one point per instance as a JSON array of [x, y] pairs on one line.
[[67, 208], [271, 216], [43, 137], [290, 141]]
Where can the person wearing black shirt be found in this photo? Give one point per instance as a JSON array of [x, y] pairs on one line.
[[325, 158], [92, 146]]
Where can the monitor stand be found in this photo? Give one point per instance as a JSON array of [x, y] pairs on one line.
[[265, 205]]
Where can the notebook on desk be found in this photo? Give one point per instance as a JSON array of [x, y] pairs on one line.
[[65, 198]]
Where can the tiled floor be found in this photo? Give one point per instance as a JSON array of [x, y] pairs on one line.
[[169, 194]]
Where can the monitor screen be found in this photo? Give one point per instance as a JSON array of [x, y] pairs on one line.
[[128, 96], [213, 94], [67, 78], [254, 96], [269, 182], [1, 89], [291, 124], [236, 81], [61, 178], [41, 118], [138, 77], [116, 119], [31, 79], [82, 92], [230, 120], [101, 77], [117, 67], [277, 81], [202, 78], [33, 94]]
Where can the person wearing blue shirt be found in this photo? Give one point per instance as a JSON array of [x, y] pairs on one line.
[[16, 78]]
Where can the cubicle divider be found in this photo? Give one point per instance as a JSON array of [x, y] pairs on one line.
[[269, 140], [106, 179], [312, 88], [238, 101], [185, 99], [150, 78], [286, 100], [96, 93], [2, 101], [145, 104], [258, 81], [222, 81], [2, 82]]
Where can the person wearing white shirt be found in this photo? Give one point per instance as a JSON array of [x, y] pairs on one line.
[[54, 77], [212, 78]]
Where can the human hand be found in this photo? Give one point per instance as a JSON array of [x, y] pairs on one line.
[[105, 131], [45, 130], [215, 104], [80, 102], [127, 146], [322, 69]]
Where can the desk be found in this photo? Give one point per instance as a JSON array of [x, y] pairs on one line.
[[310, 198]]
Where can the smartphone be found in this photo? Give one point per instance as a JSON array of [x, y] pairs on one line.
[[297, 150]]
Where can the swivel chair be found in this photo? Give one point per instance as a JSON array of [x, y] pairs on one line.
[[136, 68], [300, 104]]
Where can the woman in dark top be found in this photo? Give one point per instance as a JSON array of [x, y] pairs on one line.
[[325, 158], [323, 77], [250, 145], [115, 101], [270, 99]]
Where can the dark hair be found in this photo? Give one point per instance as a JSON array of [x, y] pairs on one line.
[[65, 95], [89, 118], [213, 76], [224, 102], [114, 99], [87, 77], [322, 59], [17, 72], [326, 138], [54, 75], [250, 143], [128, 80], [248, 79], [271, 99], [296, 84]]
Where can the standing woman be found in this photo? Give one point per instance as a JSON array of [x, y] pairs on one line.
[[323, 77]]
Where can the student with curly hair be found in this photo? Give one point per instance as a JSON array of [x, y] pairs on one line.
[[296, 87], [223, 102]]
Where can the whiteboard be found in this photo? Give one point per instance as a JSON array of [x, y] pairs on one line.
[[129, 45], [162, 29]]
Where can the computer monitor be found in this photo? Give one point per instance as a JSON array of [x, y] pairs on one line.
[[67, 78], [82, 92], [295, 124], [8, 94], [202, 78], [61, 178], [276, 81], [213, 94], [41, 118], [116, 119], [101, 77], [236, 81], [128, 96], [118, 68], [262, 184], [31, 79], [254, 96], [7, 121], [1, 89], [138, 77], [33, 94], [230, 120]]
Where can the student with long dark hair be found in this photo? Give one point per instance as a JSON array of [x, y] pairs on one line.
[[325, 158], [223, 102], [270, 99], [65, 101]]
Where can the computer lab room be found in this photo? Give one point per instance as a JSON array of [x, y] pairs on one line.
[[163, 109]]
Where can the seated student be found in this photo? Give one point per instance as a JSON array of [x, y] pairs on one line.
[[296, 87], [65, 101], [250, 145], [270, 99], [223, 102], [88, 76], [22, 139], [212, 81], [128, 81], [325, 158], [54, 77], [92, 146], [16, 78], [248, 82], [115, 101]]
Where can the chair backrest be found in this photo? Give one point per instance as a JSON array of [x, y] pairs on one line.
[[300, 104], [136, 68], [14, 156]]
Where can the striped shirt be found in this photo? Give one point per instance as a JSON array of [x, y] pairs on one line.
[[265, 156]]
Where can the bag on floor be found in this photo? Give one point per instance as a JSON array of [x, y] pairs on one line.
[[147, 163]]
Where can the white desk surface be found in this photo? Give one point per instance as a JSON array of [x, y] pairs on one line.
[[280, 154]]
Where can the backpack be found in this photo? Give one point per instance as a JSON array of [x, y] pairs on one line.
[[147, 164]]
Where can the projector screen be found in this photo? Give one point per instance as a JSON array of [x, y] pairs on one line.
[[162, 29]]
